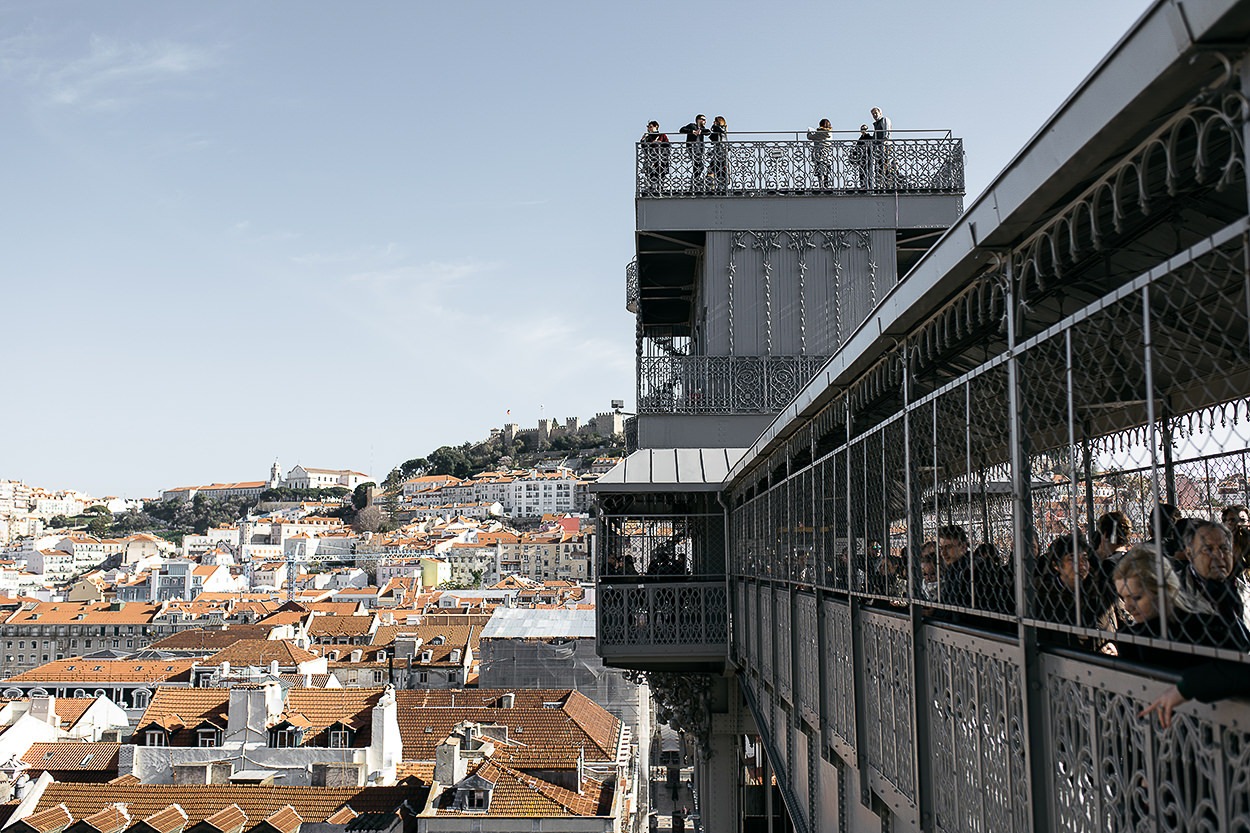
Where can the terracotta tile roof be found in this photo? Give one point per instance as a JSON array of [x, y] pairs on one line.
[[6, 812], [179, 709], [540, 735], [517, 794], [262, 652], [384, 636], [317, 709], [454, 638], [297, 680], [422, 771], [125, 779], [339, 626], [111, 819], [93, 613], [285, 820], [214, 639], [200, 801], [96, 671], [230, 819], [54, 818], [72, 755], [312, 709], [170, 820], [284, 617], [342, 816], [71, 709]]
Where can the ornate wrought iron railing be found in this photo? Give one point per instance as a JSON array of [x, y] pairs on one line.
[[632, 295], [752, 168], [721, 384], [671, 618]]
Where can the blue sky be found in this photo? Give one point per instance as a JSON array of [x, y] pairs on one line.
[[346, 234]]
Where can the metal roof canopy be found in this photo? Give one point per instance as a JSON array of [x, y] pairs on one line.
[[511, 623], [674, 469]]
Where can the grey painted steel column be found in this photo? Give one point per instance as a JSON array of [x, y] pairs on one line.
[[1032, 692], [920, 679]]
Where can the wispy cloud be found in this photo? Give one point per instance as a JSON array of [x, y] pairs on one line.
[[366, 257], [432, 274], [247, 231], [110, 75]]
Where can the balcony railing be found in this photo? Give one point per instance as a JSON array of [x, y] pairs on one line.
[[798, 166], [721, 384], [676, 619], [632, 295]]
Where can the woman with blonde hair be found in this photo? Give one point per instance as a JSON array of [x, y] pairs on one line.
[[1151, 593]]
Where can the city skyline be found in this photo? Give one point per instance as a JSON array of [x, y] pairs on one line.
[[240, 234]]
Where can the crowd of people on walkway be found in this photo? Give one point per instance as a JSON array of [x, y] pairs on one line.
[[1188, 583], [706, 166]]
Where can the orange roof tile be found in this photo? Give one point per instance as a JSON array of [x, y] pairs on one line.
[[71, 709], [343, 816], [262, 652], [170, 820], [54, 818], [178, 709], [516, 793], [339, 626], [111, 819], [200, 801], [285, 820], [550, 726], [229, 819], [209, 640], [72, 755], [92, 613], [96, 671]]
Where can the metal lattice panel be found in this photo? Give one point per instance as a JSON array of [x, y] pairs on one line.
[[781, 604], [839, 686], [888, 700], [689, 617], [751, 168], [1114, 771], [807, 633], [976, 735], [768, 635]]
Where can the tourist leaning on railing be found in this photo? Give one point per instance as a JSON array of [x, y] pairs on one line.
[[1145, 582]]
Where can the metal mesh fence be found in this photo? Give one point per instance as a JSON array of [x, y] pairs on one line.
[[1011, 493]]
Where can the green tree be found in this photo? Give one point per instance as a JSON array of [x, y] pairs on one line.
[[100, 524], [360, 496]]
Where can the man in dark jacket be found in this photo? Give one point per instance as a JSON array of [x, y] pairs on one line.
[[696, 134], [881, 128]]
